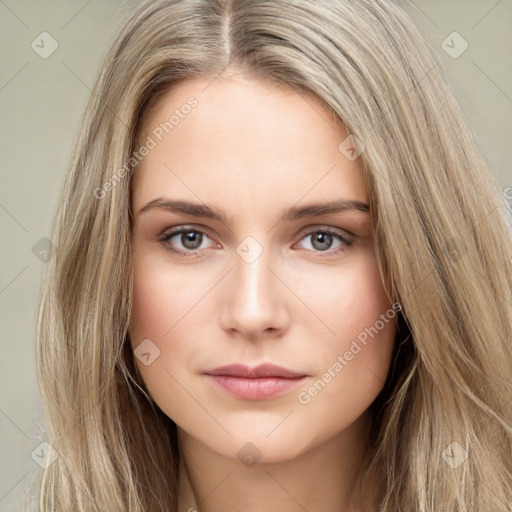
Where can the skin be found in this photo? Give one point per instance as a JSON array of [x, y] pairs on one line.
[[253, 148]]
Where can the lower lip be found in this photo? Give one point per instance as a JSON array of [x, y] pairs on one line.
[[255, 389]]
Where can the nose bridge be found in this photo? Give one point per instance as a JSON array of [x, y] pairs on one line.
[[253, 302], [251, 274]]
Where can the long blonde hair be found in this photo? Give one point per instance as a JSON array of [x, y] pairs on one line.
[[441, 236]]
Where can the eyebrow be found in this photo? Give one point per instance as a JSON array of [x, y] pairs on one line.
[[287, 215]]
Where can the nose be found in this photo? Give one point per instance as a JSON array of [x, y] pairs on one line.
[[254, 299]]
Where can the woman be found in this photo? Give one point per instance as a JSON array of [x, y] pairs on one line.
[[283, 273]]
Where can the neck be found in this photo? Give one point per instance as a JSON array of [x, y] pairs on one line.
[[321, 479]]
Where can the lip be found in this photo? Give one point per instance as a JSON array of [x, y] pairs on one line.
[[259, 383], [263, 370]]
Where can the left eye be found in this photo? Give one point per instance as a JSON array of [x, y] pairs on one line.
[[322, 240], [192, 239]]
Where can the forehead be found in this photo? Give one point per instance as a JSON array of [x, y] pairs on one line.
[[260, 139]]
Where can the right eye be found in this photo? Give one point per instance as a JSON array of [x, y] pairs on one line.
[[189, 238]]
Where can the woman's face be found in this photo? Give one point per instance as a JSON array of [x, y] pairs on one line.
[[268, 279]]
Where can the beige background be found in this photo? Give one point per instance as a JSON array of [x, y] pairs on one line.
[[41, 102]]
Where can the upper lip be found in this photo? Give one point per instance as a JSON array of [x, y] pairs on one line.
[[263, 370]]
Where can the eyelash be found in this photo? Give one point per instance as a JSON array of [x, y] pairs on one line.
[[345, 246]]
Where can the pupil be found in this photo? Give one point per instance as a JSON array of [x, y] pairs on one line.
[[323, 238], [191, 237]]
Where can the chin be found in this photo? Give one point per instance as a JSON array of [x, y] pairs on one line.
[[255, 448]]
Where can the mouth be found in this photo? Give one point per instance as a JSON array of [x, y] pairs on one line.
[[263, 382]]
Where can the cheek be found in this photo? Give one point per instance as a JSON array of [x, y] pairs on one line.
[[354, 360], [162, 295], [349, 301], [159, 301], [164, 312]]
